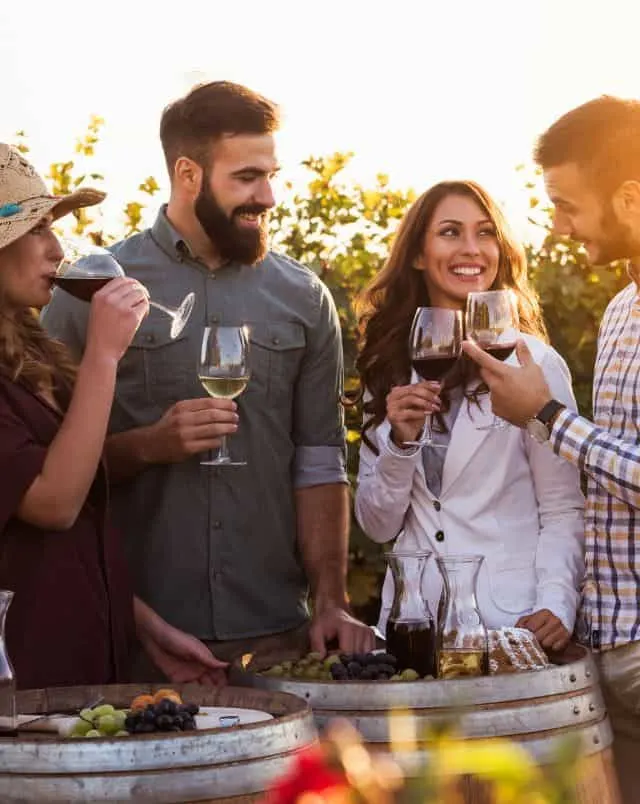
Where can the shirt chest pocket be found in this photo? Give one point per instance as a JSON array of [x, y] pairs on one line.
[[157, 369], [276, 354]]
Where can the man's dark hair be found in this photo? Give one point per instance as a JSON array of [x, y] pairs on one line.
[[602, 137], [191, 124]]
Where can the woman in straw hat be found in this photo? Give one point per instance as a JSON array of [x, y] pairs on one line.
[[73, 619]]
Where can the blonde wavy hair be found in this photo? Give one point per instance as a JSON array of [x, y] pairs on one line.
[[29, 355]]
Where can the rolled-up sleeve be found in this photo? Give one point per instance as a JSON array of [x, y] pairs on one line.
[[318, 431], [21, 461]]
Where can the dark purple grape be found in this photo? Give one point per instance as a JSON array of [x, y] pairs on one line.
[[192, 708], [164, 721], [339, 672], [355, 669], [166, 707], [387, 658]]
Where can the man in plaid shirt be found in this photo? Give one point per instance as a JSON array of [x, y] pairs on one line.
[[591, 163]]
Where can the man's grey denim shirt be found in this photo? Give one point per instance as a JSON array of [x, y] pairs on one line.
[[214, 550]]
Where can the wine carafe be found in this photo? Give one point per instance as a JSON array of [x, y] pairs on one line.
[[8, 722], [462, 643], [86, 269], [410, 628]]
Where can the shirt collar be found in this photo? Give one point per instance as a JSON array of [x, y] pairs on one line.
[[168, 237]]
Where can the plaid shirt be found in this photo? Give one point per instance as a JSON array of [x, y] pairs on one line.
[[608, 451]]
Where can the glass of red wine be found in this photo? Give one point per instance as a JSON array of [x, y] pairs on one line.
[[86, 268], [492, 322], [434, 343]]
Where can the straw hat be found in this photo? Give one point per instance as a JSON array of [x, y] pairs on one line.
[[25, 200]]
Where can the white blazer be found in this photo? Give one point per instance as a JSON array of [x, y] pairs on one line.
[[503, 496]]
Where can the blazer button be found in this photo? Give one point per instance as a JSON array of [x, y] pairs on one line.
[[436, 505], [439, 535]]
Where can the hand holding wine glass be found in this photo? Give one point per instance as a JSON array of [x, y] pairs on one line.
[[434, 342], [223, 370], [492, 322], [116, 313], [86, 268]]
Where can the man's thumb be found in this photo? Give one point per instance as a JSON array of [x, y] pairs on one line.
[[523, 354]]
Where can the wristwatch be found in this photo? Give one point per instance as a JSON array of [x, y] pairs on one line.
[[539, 428]]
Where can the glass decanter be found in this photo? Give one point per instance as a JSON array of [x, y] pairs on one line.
[[410, 629], [462, 641], [8, 717]]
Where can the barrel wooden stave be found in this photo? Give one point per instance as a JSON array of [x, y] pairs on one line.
[[537, 709], [210, 765]]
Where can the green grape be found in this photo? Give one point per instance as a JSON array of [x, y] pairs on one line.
[[121, 733], [119, 717], [104, 709], [332, 659], [86, 714], [80, 728], [314, 656], [396, 677], [107, 724], [409, 675], [93, 733]]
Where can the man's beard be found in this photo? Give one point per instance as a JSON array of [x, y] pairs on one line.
[[617, 241], [232, 242]]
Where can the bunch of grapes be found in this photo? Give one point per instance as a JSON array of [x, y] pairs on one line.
[[101, 721], [364, 667], [343, 667], [165, 715]]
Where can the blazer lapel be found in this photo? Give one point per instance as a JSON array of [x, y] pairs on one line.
[[465, 438]]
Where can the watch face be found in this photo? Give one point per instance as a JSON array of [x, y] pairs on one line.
[[538, 431]]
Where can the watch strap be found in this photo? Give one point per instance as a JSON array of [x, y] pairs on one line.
[[549, 412]]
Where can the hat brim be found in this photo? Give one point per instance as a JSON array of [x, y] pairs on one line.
[[34, 209]]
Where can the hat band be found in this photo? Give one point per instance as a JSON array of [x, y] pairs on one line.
[[8, 210]]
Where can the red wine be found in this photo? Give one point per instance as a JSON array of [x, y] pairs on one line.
[[433, 368], [82, 287], [500, 352], [413, 643]]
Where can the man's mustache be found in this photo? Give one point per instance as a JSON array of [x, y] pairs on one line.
[[254, 209]]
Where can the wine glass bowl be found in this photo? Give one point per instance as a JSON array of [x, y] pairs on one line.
[[434, 345], [492, 321], [86, 268], [224, 371]]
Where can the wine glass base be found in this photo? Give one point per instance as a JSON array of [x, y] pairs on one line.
[[223, 462], [182, 314], [425, 443]]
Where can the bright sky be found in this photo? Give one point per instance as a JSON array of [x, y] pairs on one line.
[[419, 89]]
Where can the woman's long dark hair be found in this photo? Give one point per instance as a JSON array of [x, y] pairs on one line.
[[386, 307]]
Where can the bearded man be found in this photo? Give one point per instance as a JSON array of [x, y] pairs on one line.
[[232, 554]]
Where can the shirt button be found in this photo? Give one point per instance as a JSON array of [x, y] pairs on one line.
[[217, 524], [215, 319], [436, 505], [275, 341], [439, 535], [149, 338]]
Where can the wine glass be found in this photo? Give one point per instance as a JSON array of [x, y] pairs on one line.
[[434, 343], [223, 370], [492, 322], [86, 268]]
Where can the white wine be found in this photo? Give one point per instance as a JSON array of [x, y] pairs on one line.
[[224, 387], [459, 663]]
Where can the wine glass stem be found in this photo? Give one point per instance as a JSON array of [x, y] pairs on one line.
[[428, 422], [164, 309], [223, 453]]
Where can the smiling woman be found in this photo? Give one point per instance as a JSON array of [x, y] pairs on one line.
[[476, 491]]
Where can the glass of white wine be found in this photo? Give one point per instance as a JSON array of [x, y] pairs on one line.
[[223, 370]]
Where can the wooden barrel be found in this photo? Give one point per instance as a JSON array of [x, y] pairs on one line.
[[221, 764], [534, 708]]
